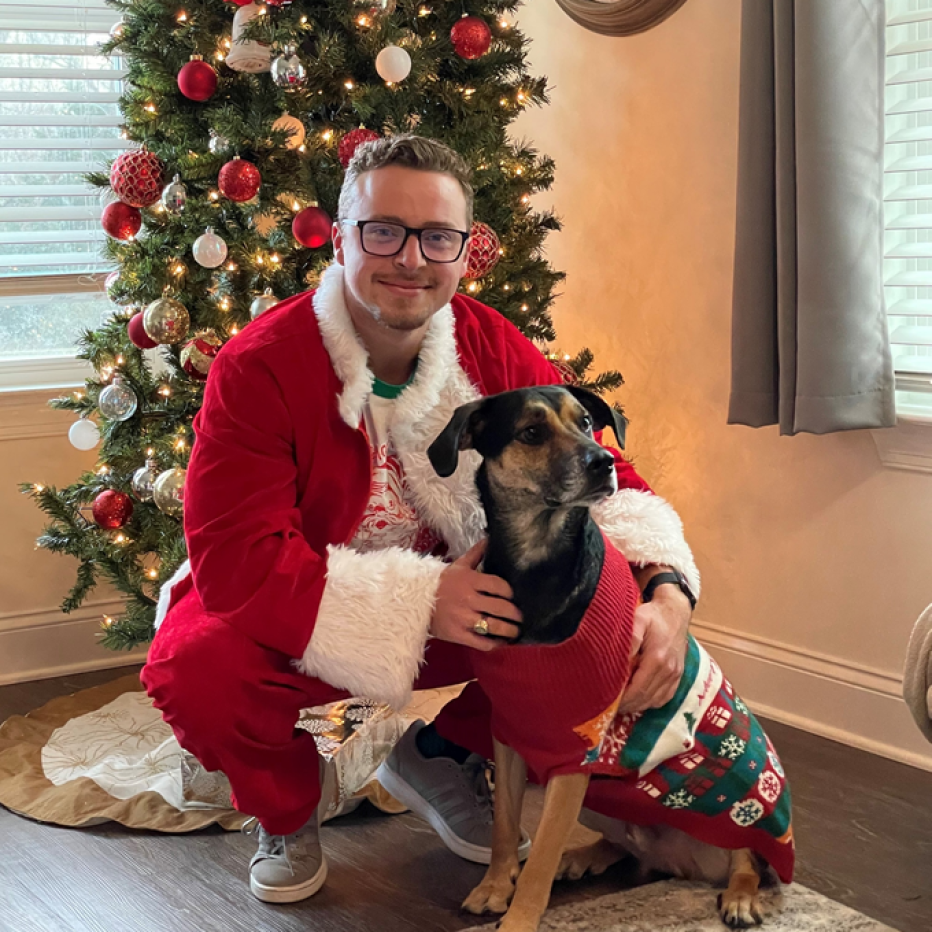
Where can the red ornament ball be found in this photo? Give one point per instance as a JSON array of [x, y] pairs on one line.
[[311, 227], [121, 221], [137, 333], [198, 355], [197, 80], [112, 509], [352, 141], [240, 2], [471, 37], [239, 180], [137, 177], [482, 253]]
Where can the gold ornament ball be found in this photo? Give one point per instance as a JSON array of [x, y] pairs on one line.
[[288, 123], [168, 492], [166, 320]]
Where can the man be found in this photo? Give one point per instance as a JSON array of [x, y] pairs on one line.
[[327, 559]]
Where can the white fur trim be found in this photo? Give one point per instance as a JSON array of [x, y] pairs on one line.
[[373, 621], [646, 529], [165, 593], [347, 353]]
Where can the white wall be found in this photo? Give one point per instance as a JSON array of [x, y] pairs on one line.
[[815, 557]]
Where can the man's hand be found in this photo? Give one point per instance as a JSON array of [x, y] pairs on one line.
[[465, 596], [658, 650]]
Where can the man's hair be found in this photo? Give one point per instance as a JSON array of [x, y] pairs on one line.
[[410, 151]]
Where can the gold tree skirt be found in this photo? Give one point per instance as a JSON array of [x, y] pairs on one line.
[[104, 754]]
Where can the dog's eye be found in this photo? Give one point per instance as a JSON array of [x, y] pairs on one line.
[[534, 434], [585, 425]]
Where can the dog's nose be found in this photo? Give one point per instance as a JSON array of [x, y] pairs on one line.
[[598, 462]]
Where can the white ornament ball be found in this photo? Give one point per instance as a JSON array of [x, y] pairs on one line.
[[117, 29], [84, 434], [291, 124], [393, 64], [209, 249], [265, 302]]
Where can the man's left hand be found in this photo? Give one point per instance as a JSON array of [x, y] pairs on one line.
[[658, 650]]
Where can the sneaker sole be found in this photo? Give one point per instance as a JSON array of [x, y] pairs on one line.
[[405, 793], [290, 894]]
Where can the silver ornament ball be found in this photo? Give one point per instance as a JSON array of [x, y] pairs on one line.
[[117, 401], [288, 70], [218, 144], [266, 301], [144, 481], [168, 492], [174, 196]]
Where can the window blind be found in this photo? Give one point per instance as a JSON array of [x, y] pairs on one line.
[[59, 118], [908, 199]]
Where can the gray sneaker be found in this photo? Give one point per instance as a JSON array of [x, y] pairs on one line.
[[455, 799], [287, 868]]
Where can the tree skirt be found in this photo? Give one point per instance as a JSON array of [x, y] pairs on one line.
[[678, 906], [104, 754]]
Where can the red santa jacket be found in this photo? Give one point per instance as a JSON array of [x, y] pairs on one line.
[[279, 479]]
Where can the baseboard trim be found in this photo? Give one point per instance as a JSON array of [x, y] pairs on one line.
[[39, 645], [834, 698]]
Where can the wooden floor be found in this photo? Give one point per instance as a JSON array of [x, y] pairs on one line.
[[863, 825]]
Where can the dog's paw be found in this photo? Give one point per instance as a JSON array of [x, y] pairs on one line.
[[740, 910], [492, 895], [592, 859]]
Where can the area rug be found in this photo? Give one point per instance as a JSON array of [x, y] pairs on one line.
[[105, 754], [678, 906]]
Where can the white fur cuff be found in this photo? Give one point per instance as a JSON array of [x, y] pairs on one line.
[[373, 621], [646, 529]]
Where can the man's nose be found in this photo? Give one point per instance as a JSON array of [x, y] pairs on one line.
[[410, 256]]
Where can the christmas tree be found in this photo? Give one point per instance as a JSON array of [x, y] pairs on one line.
[[241, 127]]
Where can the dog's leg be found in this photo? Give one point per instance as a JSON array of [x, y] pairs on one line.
[[498, 885], [739, 906], [591, 859], [562, 804]]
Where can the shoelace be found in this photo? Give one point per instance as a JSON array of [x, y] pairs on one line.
[[475, 772], [271, 846]]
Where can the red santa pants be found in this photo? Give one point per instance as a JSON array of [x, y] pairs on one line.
[[233, 704]]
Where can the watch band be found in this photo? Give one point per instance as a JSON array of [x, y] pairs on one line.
[[673, 578]]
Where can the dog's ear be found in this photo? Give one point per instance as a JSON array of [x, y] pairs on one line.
[[458, 435], [602, 414]]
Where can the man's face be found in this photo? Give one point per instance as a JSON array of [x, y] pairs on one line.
[[401, 292]]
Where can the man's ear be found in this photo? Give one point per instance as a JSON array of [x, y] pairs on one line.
[[458, 435], [602, 414]]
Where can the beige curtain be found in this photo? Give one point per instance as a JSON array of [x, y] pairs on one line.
[[810, 350], [621, 17]]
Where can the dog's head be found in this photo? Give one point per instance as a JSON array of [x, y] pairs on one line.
[[536, 441]]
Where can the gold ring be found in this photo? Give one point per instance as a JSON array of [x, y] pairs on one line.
[[481, 627]]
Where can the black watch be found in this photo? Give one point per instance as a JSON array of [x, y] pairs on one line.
[[674, 577]]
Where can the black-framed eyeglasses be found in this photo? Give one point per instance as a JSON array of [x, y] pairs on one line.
[[385, 238]]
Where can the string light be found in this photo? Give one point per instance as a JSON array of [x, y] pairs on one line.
[[275, 257], [424, 11], [327, 135], [526, 199], [227, 44], [522, 96], [119, 360], [214, 195], [182, 17], [150, 452], [152, 574], [303, 20], [225, 304], [165, 391], [231, 266], [38, 488], [121, 539], [107, 622], [507, 287], [364, 22], [468, 92], [218, 56], [472, 286], [504, 24], [349, 85], [149, 108], [503, 102], [524, 307], [295, 206], [234, 331], [259, 259], [179, 445]]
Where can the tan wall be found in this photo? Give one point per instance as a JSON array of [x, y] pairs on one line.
[[815, 556]]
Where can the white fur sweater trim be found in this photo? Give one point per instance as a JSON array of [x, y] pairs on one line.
[[646, 529], [372, 626], [165, 593]]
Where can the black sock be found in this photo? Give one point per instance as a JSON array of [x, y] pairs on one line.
[[431, 744]]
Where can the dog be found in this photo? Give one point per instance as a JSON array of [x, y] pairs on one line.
[[542, 470]]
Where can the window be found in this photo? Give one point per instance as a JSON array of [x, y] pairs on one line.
[[908, 201], [59, 118]]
